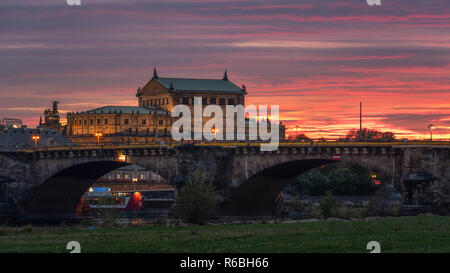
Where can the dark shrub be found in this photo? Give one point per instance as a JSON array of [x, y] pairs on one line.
[[197, 200]]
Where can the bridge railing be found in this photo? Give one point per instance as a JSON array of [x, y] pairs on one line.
[[236, 144]]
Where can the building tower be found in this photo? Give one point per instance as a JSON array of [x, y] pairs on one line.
[[51, 118]]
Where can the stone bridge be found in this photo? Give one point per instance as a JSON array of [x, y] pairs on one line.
[[52, 181]]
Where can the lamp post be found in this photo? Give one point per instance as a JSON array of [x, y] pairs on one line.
[[98, 135], [35, 138], [213, 130], [296, 132], [431, 127]]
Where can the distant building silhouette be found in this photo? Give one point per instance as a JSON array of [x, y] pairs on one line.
[[51, 118], [17, 138], [10, 123]]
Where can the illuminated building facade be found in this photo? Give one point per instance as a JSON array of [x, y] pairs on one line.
[[152, 116], [110, 120], [168, 92]]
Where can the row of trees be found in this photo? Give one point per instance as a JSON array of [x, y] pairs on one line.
[[369, 134], [355, 135]]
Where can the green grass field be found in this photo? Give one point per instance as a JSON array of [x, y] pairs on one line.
[[406, 234]]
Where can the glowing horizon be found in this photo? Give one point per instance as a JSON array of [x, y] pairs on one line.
[[316, 59]]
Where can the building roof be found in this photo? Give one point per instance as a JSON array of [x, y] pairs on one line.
[[199, 85], [22, 138], [131, 168], [196, 85], [127, 110]]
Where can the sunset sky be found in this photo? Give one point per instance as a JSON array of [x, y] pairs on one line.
[[317, 59]]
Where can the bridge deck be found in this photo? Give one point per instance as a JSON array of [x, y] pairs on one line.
[[440, 144]]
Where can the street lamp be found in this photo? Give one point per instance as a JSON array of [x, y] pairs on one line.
[[431, 127], [213, 130], [35, 138], [98, 135]]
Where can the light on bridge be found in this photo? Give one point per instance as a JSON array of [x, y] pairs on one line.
[[214, 131], [122, 158], [98, 135], [35, 138]]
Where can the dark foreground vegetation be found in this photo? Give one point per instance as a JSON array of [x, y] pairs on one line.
[[340, 178], [405, 234]]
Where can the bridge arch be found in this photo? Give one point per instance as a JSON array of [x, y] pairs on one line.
[[63, 186], [61, 193], [257, 194]]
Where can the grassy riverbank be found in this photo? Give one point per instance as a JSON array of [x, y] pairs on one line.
[[405, 234]]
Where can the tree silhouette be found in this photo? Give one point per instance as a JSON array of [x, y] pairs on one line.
[[369, 134]]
